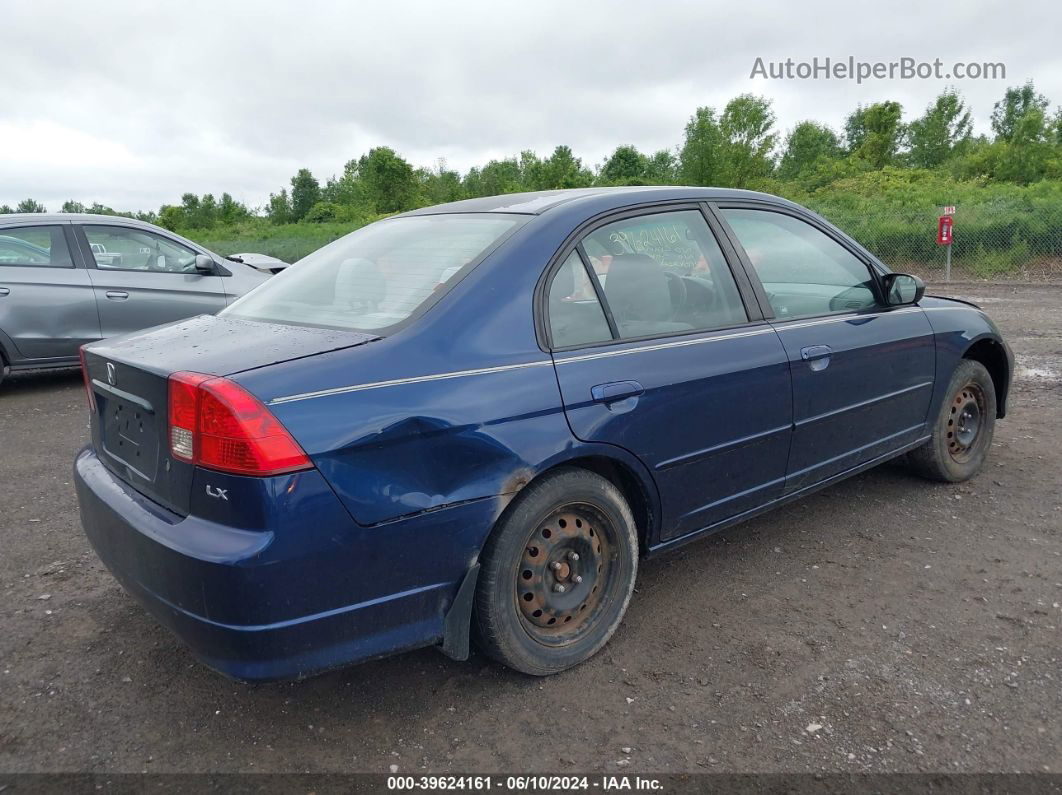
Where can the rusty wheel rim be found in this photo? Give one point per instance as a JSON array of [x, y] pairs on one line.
[[966, 422], [565, 574]]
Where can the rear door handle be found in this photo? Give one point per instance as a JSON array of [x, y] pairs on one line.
[[117, 295], [817, 356], [616, 391], [4, 291]]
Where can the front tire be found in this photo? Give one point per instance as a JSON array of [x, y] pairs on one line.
[[557, 573], [962, 432]]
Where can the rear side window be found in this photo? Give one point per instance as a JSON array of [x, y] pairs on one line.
[[804, 271], [378, 276], [35, 246], [575, 314], [664, 273]]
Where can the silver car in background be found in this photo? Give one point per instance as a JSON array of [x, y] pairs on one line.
[[68, 279]]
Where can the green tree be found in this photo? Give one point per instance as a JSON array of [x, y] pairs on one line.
[[30, 206], [661, 168], [389, 183], [943, 132], [625, 166], [278, 210], [347, 190], [875, 133], [497, 177], [1016, 103], [1026, 153], [71, 206], [231, 211], [305, 193], [440, 185], [700, 159], [562, 169], [807, 147], [171, 217], [746, 127]]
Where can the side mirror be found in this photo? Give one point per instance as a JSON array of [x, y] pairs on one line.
[[204, 264], [903, 288]]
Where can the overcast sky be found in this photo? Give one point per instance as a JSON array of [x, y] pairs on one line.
[[133, 103]]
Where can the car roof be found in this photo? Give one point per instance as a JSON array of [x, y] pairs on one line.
[[541, 202], [9, 219]]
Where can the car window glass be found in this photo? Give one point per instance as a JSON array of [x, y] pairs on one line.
[[575, 314], [663, 273], [35, 246], [124, 248], [378, 276], [804, 271]]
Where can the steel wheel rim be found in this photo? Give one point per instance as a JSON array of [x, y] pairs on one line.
[[966, 422], [565, 574]]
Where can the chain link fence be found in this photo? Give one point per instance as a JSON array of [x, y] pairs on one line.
[[989, 243]]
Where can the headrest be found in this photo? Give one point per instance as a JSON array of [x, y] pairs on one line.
[[637, 289]]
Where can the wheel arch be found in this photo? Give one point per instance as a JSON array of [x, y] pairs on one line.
[[991, 353], [633, 482]]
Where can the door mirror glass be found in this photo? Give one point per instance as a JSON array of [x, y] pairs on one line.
[[902, 288], [203, 264]]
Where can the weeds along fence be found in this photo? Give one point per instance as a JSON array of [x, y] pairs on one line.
[[988, 243]]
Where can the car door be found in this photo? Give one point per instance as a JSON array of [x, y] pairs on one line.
[[47, 307], [862, 371], [660, 349], [143, 279]]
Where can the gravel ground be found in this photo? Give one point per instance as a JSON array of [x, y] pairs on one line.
[[885, 624]]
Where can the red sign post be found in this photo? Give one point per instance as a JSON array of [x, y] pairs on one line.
[[944, 224], [944, 238]]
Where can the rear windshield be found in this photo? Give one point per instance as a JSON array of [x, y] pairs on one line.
[[378, 276]]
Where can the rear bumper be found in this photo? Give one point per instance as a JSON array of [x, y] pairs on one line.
[[286, 602]]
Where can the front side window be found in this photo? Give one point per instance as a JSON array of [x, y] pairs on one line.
[[35, 246], [575, 314], [804, 271], [663, 273], [127, 249], [378, 276]]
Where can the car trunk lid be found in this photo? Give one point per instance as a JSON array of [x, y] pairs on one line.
[[128, 378]]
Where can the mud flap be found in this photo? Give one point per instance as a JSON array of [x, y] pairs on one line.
[[458, 622]]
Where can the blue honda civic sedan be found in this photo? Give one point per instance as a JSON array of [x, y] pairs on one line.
[[469, 423]]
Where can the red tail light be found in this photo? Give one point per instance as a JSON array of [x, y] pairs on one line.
[[215, 423], [88, 381]]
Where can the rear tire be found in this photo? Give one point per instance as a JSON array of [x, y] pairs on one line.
[[4, 369], [557, 573], [962, 431]]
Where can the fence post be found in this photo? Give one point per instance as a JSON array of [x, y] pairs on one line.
[[946, 235]]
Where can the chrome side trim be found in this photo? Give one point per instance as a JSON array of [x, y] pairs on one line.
[[417, 379], [663, 345]]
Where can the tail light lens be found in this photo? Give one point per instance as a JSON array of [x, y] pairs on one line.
[[217, 424], [88, 381]]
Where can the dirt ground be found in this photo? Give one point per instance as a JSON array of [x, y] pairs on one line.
[[885, 624]]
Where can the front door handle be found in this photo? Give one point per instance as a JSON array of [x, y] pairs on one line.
[[117, 295], [817, 356], [616, 391], [4, 291]]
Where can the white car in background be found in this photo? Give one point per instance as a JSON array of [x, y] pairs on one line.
[[262, 262]]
